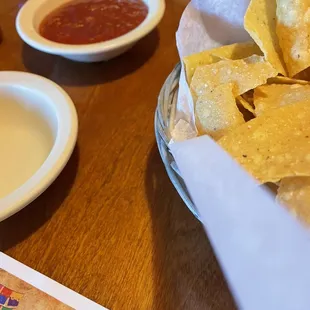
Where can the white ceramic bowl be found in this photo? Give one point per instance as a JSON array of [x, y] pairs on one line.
[[34, 11], [38, 131]]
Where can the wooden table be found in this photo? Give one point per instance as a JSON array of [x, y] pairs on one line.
[[112, 227]]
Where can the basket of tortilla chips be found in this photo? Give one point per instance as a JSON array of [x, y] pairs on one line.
[[253, 99]]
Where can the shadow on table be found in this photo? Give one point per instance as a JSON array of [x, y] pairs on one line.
[[19, 226], [186, 274], [67, 72]]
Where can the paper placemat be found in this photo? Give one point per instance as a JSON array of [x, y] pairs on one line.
[[23, 288]]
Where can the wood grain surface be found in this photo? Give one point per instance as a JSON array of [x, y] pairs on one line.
[[112, 227]]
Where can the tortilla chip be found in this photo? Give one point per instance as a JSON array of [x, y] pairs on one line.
[[260, 23], [216, 111], [293, 22], [245, 74], [273, 96], [286, 80], [245, 104], [294, 193], [275, 145], [233, 51]]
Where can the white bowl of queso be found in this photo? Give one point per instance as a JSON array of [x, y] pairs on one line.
[[38, 131], [87, 30]]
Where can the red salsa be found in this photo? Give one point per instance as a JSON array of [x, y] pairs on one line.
[[85, 22]]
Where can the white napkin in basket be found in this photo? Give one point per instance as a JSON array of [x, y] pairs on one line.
[[263, 250]]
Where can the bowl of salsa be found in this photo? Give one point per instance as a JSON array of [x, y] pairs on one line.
[[87, 30]]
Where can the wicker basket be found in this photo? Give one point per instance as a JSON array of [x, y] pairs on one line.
[[164, 122]]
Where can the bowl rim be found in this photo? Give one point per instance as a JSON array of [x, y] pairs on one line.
[[26, 30], [163, 123], [63, 146]]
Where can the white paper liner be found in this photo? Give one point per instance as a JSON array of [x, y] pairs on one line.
[[263, 250], [205, 24]]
